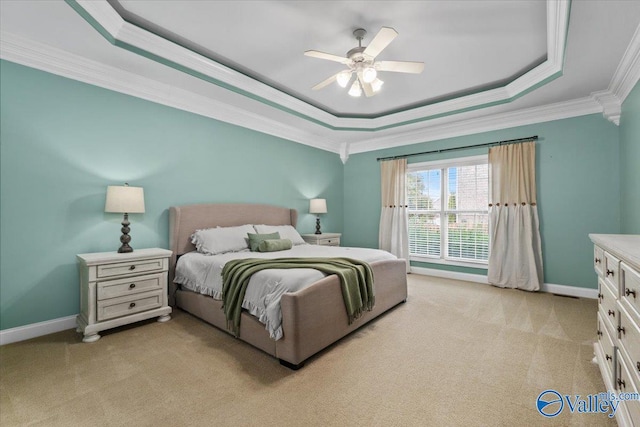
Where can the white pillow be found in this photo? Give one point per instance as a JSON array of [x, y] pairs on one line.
[[286, 232], [214, 241]]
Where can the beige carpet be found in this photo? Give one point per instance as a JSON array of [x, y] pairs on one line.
[[456, 354]]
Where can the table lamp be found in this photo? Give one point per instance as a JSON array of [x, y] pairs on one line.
[[318, 206], [126, 200]]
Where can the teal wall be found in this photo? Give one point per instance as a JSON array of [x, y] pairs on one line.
[[630, 163], [578, 191], [62, 142]]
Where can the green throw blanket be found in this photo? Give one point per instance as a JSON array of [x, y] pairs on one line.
[[356, 279]]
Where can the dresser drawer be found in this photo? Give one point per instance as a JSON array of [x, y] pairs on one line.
[[598, 260], [133, 285], [133, 267], [608, 308], [127, 305], [625, 383], [630, 289], [629, 340], [612, 272], [608, 348]]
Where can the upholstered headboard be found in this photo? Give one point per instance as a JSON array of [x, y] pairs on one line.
[[184, 220]]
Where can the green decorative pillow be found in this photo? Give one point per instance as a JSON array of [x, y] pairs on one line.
[[255, 239], [273, 245]]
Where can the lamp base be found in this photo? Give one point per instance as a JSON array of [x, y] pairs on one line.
[[318, 225], [125, 248], [125, 238]]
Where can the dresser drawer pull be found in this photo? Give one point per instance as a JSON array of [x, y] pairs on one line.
[[638, 366], [622, 330], [628, 292], [597, 260], [600, 296], [611, 313], [133, 304], [133, 267], [622, 383], [599, 333], [606, 356], [131, 286], [610, 273]]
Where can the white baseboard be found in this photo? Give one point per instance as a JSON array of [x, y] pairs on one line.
[[571, 291], [39, 329]]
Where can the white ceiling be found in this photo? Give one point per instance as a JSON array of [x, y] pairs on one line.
[[533, 60]]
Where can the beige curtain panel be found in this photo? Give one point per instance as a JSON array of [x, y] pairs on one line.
[[515, 255], [394, 223]]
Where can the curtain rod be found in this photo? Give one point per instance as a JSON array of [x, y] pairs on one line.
[[488, 144]]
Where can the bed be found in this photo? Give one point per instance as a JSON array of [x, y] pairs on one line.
[[312, 318]]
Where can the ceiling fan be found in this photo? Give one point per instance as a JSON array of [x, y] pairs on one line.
[[361, 63]]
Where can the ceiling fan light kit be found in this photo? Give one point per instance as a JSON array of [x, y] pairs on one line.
[[355, 90], [361, 62]]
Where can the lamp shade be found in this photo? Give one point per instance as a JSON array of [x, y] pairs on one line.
[[124, 199], [317, 206]]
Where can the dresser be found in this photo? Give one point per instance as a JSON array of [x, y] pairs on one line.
[[324, 239], [616, 260], [117, 289]]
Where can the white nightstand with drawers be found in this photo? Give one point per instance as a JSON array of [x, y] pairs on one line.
[[324, 239], [118, 289]]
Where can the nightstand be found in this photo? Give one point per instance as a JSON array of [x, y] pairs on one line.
[[117, 289], [324, 239]]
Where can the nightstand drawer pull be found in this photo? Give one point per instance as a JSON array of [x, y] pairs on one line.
[[609, 272], [131, 286], [611, 313], [621, 330], [622, 383], [638, 366], [133, 267], [133, 304], [628, 292], [608, 357]]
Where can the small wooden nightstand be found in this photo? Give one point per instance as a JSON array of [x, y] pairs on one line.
[[118, 289], [324, 239]]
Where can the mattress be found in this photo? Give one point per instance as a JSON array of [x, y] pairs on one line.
[[201, 273]]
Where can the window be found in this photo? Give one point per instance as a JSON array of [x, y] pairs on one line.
[[448, 216]]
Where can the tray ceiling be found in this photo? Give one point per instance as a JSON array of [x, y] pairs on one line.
[[488, 64]]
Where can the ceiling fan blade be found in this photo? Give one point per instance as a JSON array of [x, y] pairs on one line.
[[380, 41], [366, 87], [400, 66], [328, 56], [326, 82]]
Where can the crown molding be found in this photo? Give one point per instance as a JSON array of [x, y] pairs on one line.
[[528, 116], [101, 15], [611, 105], [52, 60], [627, 74]]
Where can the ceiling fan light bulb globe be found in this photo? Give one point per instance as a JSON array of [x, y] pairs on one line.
[[376, 85], [369, 74], [343, 78], [355, 90]]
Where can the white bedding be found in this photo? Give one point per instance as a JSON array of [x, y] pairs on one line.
[[202, 273]]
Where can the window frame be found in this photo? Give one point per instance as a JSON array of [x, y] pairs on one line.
[[444, 165]]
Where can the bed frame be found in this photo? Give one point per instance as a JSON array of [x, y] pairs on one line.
[[312, 318]]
